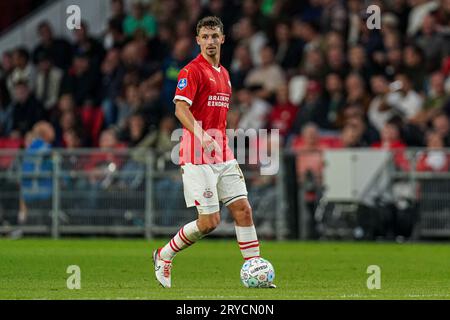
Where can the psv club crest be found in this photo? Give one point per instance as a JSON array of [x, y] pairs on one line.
[[207, 194]]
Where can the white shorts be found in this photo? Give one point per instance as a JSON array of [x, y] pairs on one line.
[[206, 184]]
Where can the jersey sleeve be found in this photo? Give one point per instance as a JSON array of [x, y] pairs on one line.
[[187, 85]]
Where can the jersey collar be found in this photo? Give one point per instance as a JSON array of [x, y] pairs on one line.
[[202, 59]]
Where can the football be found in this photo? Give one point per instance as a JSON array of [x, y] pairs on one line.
[[257, 273]]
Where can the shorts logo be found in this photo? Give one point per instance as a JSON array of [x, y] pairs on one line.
[[207, 194], [182, 84]]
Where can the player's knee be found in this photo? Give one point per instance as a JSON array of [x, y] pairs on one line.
[[244, 215], [209, 225]]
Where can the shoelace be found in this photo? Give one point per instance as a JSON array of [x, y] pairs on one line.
[[167, 268]]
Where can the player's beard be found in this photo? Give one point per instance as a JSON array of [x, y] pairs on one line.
[[212, 52]]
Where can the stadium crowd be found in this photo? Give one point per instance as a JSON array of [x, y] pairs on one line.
[[312, 69], [293, 65]]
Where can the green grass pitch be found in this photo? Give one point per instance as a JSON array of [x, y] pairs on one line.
[[122, 269]]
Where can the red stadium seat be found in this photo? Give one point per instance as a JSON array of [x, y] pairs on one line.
[[9, 143]]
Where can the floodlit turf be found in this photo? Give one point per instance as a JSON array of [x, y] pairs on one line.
[[122, 269]]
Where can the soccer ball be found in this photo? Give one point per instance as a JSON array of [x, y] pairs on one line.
[[257, 273]]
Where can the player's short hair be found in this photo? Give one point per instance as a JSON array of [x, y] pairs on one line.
[[210, 22]]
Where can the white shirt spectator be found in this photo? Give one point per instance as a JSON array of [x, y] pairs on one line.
[[378, 117], [256, 115], [417, 15], [408, 104]]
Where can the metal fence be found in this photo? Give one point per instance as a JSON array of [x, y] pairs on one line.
[[128, 192], [411, 201], [135, 192]]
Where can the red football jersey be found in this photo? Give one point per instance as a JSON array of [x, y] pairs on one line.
[[207, 89]]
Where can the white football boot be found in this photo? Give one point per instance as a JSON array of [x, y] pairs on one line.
[[162, 269]]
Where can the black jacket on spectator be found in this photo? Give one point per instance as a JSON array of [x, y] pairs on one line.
[[82, 87], [59, 51], [26, 114], [314, 111]]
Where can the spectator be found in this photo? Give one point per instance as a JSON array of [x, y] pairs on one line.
[[312, 108], [394, 61], [6, 66], [355, 7], [391, 140], [435, 99], [152, 105], [88, 46], [335, 59], [353, 115], [254, 110], [252, 10], [269, 75], [406, 102], [159, 141], [309, 33], [114, 36], [111, 83], [37, 191], [435, 158], [118, 12], [441, 15], [420, 9], [333, 39], [6, 111], [355, 87], [73, 138], [245, 31], [69, 121], [334, 16], [358, 62], [415, 66], [139, 19], [334, 100], [184, 30], [433, 43], [23, 70], [309, 169], [313, 64], [287, 49], [81, 80], [129, 104], [48, 81], [135, 131], [440, 123], [379, 111], [241, 65], [351, 137], [180, 57], [133, 57], [27, 110], [5, 99], [160, 45], [58, 50], [283, 113], [102, 168]]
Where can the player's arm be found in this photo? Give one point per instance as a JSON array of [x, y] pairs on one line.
[[187, 119]]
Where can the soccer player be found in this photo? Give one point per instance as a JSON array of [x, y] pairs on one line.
[[209, 170]]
